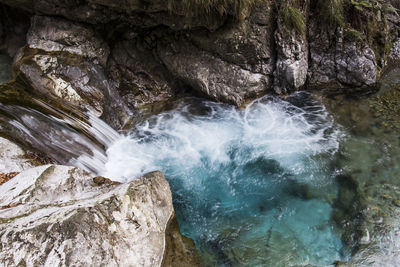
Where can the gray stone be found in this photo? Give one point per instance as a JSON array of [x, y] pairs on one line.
[[140, 79], [64, 78], [210, 75], [60, 216], [395, 51], [292, 63], [65, 61], [335, 62], [51, 34], [144, 14]]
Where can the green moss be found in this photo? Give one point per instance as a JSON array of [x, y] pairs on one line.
[[353, 35], [331, 12], [292, 18]]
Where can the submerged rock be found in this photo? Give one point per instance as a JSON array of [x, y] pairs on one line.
[[58, 215], [369, 193]]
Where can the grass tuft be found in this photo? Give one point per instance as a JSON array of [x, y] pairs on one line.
[[292, 18], [331, 12], [240, 9]]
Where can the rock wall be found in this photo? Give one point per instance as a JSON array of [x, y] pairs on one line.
[[145, 53]]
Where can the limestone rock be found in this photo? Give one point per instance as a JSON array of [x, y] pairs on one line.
[[65, 78], [65, 62], [57, 215], [12, 157]]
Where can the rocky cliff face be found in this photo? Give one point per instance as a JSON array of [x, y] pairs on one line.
[[142, 52], [58, 215]]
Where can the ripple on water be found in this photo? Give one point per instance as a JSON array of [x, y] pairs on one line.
[[251, 187]]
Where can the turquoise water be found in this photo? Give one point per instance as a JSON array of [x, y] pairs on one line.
[[251, 187]]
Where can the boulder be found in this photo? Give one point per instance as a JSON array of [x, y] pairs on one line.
[[65, 61], [209, 75], [248, 44], [60, 216]]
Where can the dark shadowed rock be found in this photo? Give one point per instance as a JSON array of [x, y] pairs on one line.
[[133, 12], [140, 79], [248, 44], [14, 25]]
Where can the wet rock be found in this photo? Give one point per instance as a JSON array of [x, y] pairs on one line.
[[65, 78], [12, 157], [56, 215], [65, 62], [210, 75], [292, 63]]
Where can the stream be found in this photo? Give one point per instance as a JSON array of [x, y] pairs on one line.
[[301, 181]]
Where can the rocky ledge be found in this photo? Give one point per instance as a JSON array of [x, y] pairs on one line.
[[55, 215]]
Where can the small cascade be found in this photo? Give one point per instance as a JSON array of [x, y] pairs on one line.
[[62, 137]]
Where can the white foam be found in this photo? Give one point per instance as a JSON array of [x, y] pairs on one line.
[[269, 127]]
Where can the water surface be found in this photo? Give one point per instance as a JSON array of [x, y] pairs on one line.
[[252, 187]]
